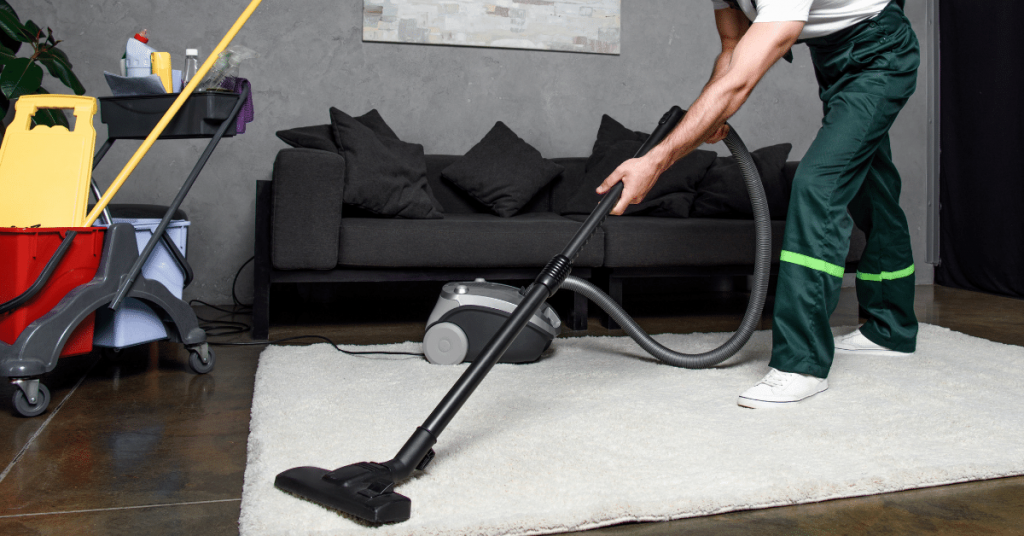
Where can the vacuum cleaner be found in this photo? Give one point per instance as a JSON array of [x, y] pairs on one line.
[[468, 314], [482, 322]]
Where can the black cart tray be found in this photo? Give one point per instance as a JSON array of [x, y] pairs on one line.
[[135, 117]]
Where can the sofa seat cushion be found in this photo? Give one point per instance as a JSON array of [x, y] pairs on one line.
[[462, 240], [649, 242]]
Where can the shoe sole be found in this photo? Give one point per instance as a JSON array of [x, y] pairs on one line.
[[753, 403], [868, 351]]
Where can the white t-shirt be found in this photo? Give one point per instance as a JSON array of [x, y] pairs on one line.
[[822, 17]]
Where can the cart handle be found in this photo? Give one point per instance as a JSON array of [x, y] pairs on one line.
[[159, 128]]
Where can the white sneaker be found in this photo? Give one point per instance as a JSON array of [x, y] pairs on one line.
[[857, 343], [780, 388]]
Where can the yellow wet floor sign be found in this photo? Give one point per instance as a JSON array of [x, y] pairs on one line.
[[45, 171]]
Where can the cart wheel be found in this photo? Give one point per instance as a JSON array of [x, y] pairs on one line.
[[197, 364], [26, 409]]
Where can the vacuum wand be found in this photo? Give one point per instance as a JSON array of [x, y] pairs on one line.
[[545, 286], [611, 198], [366, 490]]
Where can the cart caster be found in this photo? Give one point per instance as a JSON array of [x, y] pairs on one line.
[[196, 361], [31, 398], [111, 354]]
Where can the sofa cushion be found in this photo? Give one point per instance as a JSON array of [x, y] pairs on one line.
[[671, 196], [451, 198], [307, 198], [502, 171], [723, 192], [645, 242], [311, 137], [383, 175], [550, 198], [375, 122], [610, 132], [462, 240]]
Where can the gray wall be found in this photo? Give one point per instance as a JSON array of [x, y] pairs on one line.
[[312, 57]]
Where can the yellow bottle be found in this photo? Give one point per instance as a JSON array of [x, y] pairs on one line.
[[162, 67]]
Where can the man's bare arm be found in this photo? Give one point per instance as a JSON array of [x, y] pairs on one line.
[[757, 50], [732, 24]]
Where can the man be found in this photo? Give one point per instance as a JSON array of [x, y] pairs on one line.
[[865, 58]]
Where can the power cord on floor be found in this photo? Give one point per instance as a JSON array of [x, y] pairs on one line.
[[329, 341], [234, 283], [220, 328]]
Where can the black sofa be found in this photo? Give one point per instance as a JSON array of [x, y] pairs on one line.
[[303, 235], [351, 202]]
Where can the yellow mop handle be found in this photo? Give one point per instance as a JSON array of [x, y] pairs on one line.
[[159, 128]]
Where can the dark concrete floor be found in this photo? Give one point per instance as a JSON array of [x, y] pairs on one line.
[[135, 442]]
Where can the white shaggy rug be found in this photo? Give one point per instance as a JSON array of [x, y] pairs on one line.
[[597, 434]]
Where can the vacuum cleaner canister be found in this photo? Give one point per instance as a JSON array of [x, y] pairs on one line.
[[467, 316]]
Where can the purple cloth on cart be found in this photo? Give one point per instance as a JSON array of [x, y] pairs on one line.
[[245, 115]]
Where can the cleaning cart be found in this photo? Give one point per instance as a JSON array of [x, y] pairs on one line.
[[117, 266], [50, 252]]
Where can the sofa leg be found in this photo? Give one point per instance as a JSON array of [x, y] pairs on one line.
[[577, 320], [261, 313], [615, 293], [261, 264]]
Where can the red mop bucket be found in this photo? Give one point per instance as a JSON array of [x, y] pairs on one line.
[[23, 255]]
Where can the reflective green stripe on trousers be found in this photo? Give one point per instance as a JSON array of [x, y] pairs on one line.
[[865, 75], [886, 276]]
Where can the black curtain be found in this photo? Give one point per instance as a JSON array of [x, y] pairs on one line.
[[982, 144]]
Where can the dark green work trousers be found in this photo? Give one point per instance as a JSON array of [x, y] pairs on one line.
[[866, 74]]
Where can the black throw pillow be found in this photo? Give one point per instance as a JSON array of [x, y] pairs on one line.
[[671, 196], [502, 171], [723, 193], [373, 121], [383, 175], [609, 133], [312, 137]]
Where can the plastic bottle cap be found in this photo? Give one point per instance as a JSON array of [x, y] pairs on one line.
[[191, 51], [141, 37]]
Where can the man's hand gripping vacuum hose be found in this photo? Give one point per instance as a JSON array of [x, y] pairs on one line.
[[762, 270]]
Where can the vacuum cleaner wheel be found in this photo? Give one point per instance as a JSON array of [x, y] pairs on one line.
[[445, 344]]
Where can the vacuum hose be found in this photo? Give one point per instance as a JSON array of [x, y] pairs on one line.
[[762, 270]]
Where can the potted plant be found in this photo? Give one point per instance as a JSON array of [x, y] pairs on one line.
[[22, 75]]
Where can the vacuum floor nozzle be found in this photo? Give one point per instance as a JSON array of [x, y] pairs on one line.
[[363, 490]]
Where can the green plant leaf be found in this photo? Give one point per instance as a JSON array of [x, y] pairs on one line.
[[50, 116], [5, 39], [6, 55], [61, 71], [13, 27], [4, 6], [33, 30], [60, 54], [20, 77]]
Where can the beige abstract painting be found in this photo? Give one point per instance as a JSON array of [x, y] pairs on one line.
[[589, 26]]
